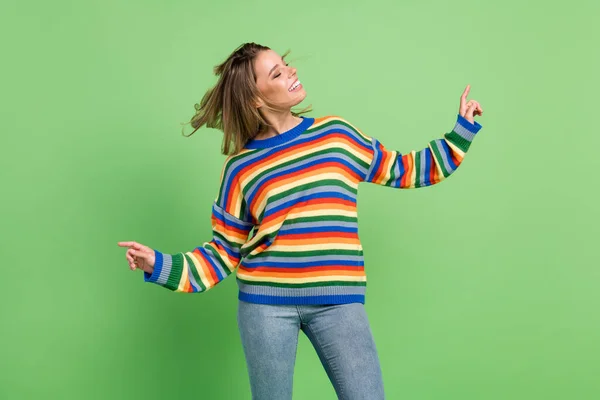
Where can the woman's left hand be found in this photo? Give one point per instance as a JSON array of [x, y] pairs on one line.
[[468, 109]]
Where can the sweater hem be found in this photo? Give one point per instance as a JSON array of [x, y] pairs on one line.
[[302, 300]]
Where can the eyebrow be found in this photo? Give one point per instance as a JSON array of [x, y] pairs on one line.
[[276, 65]]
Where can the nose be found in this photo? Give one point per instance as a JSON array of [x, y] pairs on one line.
[[292, 71]]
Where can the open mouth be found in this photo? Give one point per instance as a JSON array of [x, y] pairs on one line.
[[296, 86]]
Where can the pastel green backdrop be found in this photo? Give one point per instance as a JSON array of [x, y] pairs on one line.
[[481, 287]]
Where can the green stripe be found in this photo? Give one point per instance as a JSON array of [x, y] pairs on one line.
[[224, 171], [439, 158], [218, 257], [367, 143], [418, 168], [309, 156], [219, 235], [321, 218], [307, 253], [195, 272], [176, 271], [310, 185], [300, 188], [458, 140], [392, 169]]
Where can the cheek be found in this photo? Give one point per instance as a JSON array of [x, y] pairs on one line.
[[282, 88], [273, 89]]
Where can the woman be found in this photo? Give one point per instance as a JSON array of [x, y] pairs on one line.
[[292, 181]]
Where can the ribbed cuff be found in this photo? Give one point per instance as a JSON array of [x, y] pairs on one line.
[[471, 127], [158, 264], [463, 133]]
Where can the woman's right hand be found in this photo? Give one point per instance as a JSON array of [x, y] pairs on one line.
[[139, 256], [469, 109]]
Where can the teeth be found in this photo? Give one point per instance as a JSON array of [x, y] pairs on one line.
[[294, 86]]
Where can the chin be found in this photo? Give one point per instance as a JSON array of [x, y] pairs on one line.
[[300, 98]]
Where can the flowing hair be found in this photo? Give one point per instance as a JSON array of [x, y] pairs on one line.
[[229, 105]]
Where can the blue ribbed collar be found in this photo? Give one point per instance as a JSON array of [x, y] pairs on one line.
[[282, 137]]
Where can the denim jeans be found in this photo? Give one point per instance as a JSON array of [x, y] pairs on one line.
[[340, 334]]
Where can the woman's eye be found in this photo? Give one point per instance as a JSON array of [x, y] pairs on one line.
[[287, 65]]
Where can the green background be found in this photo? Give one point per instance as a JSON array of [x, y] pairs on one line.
[[481, 287]]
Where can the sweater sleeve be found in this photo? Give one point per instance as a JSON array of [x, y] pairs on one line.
[[202, 268], [425, 167]]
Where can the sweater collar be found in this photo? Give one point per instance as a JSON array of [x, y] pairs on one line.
[[282, 137]]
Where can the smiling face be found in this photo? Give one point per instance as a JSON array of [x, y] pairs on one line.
[[277, 81]]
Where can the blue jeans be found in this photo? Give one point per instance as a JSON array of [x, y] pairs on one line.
[[340, 333]]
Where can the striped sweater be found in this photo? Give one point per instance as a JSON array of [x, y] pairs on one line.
[[285, 215]]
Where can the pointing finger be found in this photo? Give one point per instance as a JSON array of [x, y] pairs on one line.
[[135, 245], [463, 97]]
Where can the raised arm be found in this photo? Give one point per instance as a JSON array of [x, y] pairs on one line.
[[430, 165], [425, 167], [202, 268]]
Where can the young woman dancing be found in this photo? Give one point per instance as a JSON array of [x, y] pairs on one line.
[[285, 217]]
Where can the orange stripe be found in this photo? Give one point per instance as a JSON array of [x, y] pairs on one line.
[[268, 186], [435, 175], [234, 196], [308, 241], [319, 120], [302, 274], [212, 279], [409, 164], [277, 157], [306, 269], [456, 158], [330, 234], [231, 230], [365, 152], [271, 221]]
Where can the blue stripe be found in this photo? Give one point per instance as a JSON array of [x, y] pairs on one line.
[[282, 137], [354, 136], [194, 286], [329, 299], [158, 262], [311, 196], [471, 127], [446, 149], [346, 162], [400, 166], [262, 154], [290, 170], [377, 157], [227, 220], [427, 167], [209, 256], [292, 231], [231, 253]]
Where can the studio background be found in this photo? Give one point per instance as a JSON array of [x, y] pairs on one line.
[[484, 286]]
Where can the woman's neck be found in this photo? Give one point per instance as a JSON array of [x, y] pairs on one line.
[[279, 123]]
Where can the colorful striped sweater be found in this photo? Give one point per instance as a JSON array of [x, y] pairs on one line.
[[296, 192]]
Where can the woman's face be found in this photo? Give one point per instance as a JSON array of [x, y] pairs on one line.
[[277, 81]]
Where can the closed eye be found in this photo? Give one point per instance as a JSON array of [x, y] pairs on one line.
[[286, 64]]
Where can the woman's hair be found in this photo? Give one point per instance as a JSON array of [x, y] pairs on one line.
[[230, 104]]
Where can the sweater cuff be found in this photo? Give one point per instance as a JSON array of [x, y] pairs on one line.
[[158, 266], [471, 127]]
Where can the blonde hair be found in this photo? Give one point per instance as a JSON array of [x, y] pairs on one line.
[[230, 105]]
